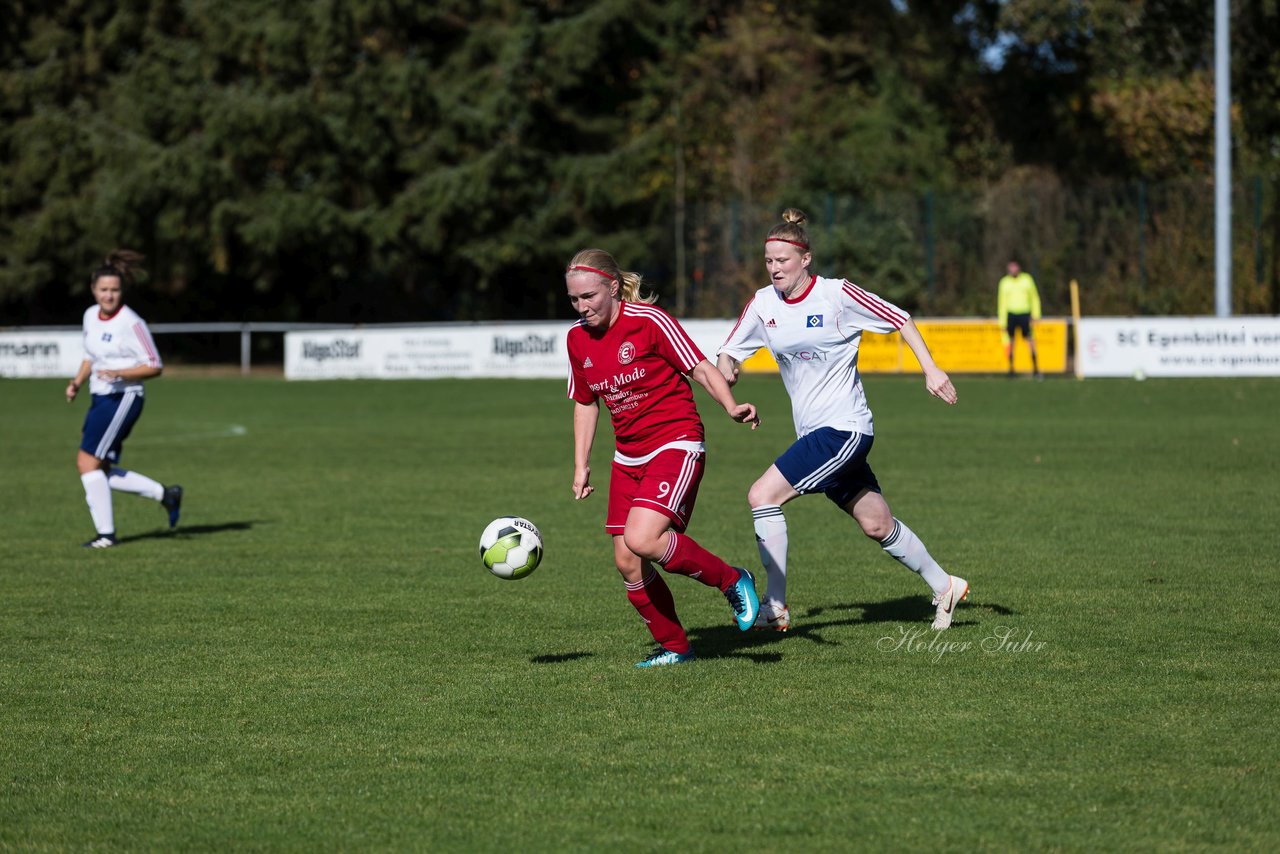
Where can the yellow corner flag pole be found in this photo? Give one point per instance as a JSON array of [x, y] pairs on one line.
[[1075, 324]]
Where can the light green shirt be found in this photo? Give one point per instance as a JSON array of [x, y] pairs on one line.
[[1018, 295]]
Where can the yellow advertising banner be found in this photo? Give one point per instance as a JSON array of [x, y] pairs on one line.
[[971, 346]]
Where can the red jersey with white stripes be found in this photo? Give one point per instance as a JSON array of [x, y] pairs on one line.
[[814, 337], [637, 367], [115, 343]]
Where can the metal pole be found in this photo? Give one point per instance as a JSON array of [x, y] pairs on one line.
[[1075, 328], [1222, 158], [244, 350]]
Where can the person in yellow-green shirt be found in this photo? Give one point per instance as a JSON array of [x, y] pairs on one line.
[[1018, 305]]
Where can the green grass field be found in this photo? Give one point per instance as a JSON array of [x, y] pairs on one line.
[[316, 660]]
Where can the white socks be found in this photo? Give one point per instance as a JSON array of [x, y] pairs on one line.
[[97, 494], [771, 539], [905, 547], [123, 480]]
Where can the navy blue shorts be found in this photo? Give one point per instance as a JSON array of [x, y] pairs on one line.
[[830, 461], [1018, 323], [110, 418]]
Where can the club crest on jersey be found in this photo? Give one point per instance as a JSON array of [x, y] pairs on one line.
[[626, 353], [587, 363], [813, 321], [106, 336]]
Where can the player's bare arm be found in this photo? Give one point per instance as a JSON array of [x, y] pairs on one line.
[[585, 417], [136, 373], [81, 377], [718, 387], [729, 367], [935, 379]]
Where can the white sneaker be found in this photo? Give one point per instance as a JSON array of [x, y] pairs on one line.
[[947, 601], [770, 620]]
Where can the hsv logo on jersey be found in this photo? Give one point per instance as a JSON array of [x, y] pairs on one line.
[[813, 321], [106, 336], [626, 353]]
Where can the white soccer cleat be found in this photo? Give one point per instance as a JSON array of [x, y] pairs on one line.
[[948, 600], [773, 620]]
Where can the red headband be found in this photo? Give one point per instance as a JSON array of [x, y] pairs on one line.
[[591, 270], [785, 240]]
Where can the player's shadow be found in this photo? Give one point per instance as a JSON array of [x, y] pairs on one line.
[[905, 609], [184, 531], [726, 641], [559, 657]]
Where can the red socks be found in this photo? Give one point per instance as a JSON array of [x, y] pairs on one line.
[[685, 557], [652, 598]]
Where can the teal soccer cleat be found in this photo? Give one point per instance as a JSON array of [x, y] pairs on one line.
[[743, 599], [662, 656]]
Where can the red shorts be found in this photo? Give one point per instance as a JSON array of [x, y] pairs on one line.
[[668, 483]]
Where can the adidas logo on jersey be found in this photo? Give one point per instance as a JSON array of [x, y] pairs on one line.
[[771, 324], [587, 363]]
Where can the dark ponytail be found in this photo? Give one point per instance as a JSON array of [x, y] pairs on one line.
[[124, 264]]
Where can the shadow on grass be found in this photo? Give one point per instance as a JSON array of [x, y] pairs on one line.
[[184, 531], [728, 642], [559, 657]]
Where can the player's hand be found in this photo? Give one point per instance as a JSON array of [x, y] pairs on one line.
[[745, 413], [939, 385], [729, 368], [72, 391], [581, 483]]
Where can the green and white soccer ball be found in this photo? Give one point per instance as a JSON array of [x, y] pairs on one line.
[[511, 547]]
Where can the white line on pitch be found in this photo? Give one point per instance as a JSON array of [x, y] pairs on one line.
[[228, 432]]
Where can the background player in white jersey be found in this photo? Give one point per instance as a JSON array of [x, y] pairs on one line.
[[118, 355], [635, 357], [813, 326]]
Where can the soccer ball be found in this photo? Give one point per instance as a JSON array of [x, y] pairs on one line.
[[511, 547]]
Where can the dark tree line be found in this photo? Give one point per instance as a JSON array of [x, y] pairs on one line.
[[378, 160]]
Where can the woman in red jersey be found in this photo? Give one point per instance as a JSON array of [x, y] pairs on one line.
[[637, 359]]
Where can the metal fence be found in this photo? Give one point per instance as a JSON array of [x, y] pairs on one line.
[[245, 331]]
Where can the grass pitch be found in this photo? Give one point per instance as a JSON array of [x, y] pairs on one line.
[[316, 660]]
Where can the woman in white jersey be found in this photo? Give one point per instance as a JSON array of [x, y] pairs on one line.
[[118, 355], [812, 326]]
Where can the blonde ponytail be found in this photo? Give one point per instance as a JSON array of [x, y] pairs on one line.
[[791, 229]]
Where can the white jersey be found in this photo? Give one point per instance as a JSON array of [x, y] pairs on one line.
[[814, 338], [115, 343]]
